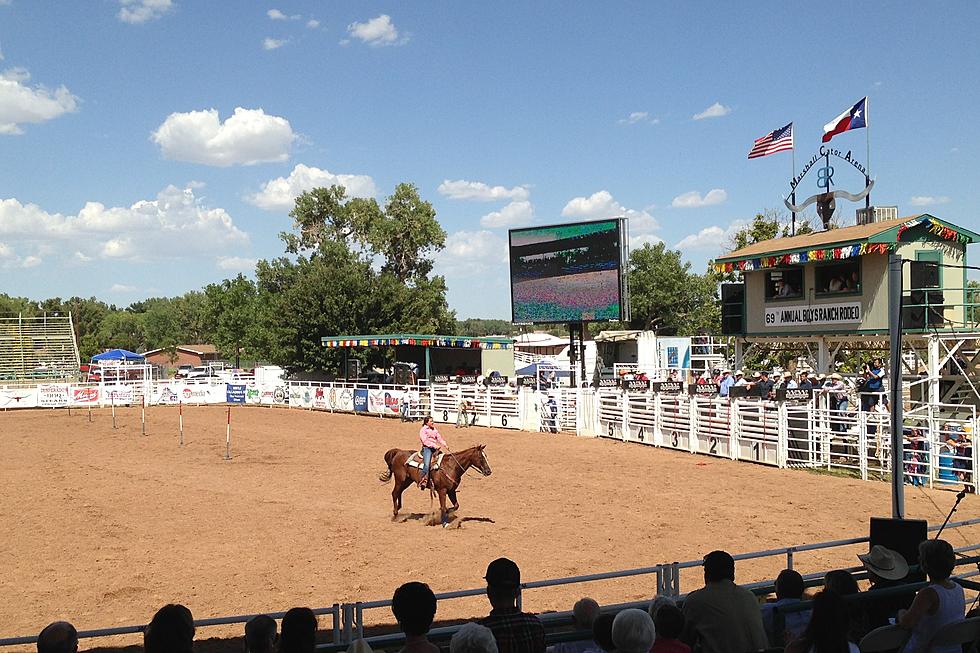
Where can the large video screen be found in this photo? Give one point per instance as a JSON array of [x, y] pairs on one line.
[[568, 272]]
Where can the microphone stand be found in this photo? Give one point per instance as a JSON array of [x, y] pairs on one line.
[[959, 497]]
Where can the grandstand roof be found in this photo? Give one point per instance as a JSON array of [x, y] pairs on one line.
[[884, 231]]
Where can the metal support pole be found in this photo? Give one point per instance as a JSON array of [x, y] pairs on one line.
[[571, 353], [228, 437], [581, 355], [895, 381]]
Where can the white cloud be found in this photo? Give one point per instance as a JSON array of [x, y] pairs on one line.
[[928, 200], [174, 225], [514, 213], [121, 288], [716, 110], [279, 194], [313, 23], [275, 14], [269, 43], [693, 200], [377, 31], [603, 205], [472, 253], [248, 137], [21, 104], [638, 116], [236, 263], [713, 237], [637, 242], [478, 191], [143, 11]]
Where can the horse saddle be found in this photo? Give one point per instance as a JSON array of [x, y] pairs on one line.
[[415, 460]]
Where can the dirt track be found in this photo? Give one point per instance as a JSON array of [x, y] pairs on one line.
[[102, 527]]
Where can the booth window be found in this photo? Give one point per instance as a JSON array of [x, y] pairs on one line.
[[783, 284], [838, 278]]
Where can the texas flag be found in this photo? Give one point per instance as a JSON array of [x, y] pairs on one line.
[[854, 118]]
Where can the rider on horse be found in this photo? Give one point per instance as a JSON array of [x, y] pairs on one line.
[[431, 441]]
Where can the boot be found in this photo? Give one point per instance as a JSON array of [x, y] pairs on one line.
[[424, 483]]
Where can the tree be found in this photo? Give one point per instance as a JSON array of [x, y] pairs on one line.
[[406, 235], [667, 297], [231, 309], [484, 327], [769, 224]]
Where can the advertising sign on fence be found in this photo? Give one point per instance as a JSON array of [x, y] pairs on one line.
[[634, 385], [360, 400], [119, 394], [235, 394], [668, 387], [85, 396], [703, 389], [18, 398], [52, 395], [341, 399], [794, 394]]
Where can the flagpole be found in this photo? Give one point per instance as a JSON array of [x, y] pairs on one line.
[[793, 190], [867, 137]]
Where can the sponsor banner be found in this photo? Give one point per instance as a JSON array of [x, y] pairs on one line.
[[384, 402], [703, 389], [235, 393], [18, 398], [360, 400], [341, 399], [496, 380], [467, 378], [794, 394], [167, 394], [606, 383], [85, 396], [301, 396], [253, 395], [118, 394], [802, 314], [52, 395], [634, 385], [198, 393], [527, 380], [440, 378], [668, 387]]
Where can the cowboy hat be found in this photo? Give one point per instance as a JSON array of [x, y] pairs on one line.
[[837, 376], [739, 373], [885, 563]]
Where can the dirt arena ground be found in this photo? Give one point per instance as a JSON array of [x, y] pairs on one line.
[[101, 527]]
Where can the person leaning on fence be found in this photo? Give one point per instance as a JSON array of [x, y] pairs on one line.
[[473, 638], [726, 383], [584, 614], [298, 632], [58, 637], [414, 607], [260, 634], [722, 617], [633, 631], [837, 391], [170, 631], [935, 606], [515, 631], [874, 375]]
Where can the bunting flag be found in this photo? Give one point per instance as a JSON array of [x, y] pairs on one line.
[[831, 254]]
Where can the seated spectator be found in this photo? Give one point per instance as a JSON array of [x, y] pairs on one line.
[[515, 631], [633, 631], [584, 614], [170, 631], [58, 637], [260, 634], [789, 590], [473, 638], [842, 583], [602, 632], [886, 568], [669, 621], [722, 617], [937, 605], [414, 607], [658, 602], [359, 646], [298, 632], [827, 630]]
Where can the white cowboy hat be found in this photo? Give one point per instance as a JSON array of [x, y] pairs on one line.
[[885, 563], [837, 376]]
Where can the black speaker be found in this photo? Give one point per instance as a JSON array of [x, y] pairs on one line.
[[913, 314], [732, 308], [903, 536], [924, 274], [936, 310]]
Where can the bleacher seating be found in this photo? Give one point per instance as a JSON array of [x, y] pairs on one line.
[[38, 349]]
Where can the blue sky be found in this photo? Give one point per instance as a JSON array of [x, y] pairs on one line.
[[149, 147]]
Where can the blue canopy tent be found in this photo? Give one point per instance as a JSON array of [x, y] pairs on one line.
[[544, 367], [117, 355]]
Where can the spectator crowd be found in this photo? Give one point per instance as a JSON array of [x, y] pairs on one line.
[[721, 617]]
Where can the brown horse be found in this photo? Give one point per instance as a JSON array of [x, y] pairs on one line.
[[443, 481]]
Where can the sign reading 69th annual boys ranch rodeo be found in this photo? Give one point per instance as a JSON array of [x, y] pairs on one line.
[[813, 314]]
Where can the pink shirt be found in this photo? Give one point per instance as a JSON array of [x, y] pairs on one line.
[[430, 437]]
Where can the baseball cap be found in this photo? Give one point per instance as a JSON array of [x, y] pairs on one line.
[[503, 572]]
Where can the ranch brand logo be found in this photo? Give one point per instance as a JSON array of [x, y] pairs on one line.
[[635, 386], [497, 380], [668, 387], [814, 314], [526, 380], [440, 378], [703, 389], [794, 394], [468, 378], [607, 383]]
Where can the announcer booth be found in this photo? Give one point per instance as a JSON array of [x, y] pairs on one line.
[[826, 290]]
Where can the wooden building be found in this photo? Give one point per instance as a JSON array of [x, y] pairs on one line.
[[195, 355]]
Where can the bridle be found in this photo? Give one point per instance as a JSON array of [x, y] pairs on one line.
[[463, 469]]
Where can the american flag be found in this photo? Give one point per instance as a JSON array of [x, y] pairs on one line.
[[778, 140]]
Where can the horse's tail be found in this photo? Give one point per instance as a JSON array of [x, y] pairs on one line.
[[389, 457]]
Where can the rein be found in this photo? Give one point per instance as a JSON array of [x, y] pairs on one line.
[[460, 465]]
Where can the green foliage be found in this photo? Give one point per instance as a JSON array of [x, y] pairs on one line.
[[484, 327], [230, 309], [767, 225], [667, 297]]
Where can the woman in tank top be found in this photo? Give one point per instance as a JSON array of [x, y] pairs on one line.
[[937, 605]]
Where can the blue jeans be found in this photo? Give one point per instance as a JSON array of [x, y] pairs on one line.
[[427, 453]]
